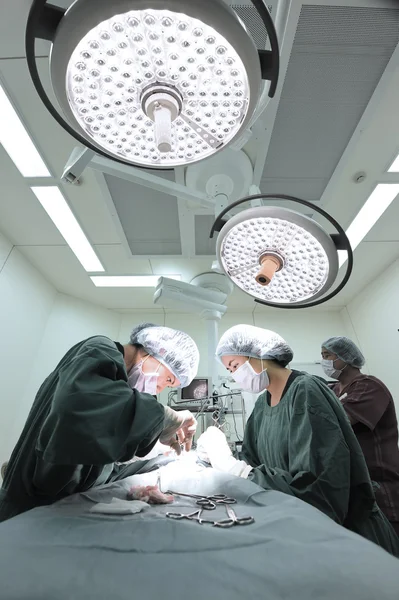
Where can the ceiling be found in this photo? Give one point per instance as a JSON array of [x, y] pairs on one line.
[[334, 115]]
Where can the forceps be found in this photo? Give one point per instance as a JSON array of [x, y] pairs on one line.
[[233, 519], [207, 502], [194, 516]]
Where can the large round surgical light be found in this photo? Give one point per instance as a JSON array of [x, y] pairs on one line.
[[150, 82], [278, 256]]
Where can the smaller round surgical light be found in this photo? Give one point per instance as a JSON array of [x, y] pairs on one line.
[[277, 255]]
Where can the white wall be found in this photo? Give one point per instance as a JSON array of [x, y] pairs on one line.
[[373, 315], [26, 300], [69, 322], [37, 327]]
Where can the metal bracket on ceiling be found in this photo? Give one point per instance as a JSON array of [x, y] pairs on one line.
[[80, 159], [146, 179]]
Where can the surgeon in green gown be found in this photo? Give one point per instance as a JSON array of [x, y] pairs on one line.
[[96, 411], [298, 439]]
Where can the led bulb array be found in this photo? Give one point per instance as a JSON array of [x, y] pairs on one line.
[[305, 262], [115, 63]]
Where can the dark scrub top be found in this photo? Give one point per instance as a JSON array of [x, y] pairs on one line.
[[371, 411], [304, 446], [84, 419]]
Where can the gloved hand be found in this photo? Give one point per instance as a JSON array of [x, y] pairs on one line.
[[212, 447], [179, 428]]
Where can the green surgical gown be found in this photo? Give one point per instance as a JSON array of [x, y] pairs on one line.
[[85, 418], [304, 446]]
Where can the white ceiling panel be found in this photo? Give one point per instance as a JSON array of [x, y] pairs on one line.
[[370, 151], [292, 186], [387, 227], [59, 266], [116, 261], [187, 268], [5, 250], [22, 219], [51, 140], [88, 204], [370, 260]]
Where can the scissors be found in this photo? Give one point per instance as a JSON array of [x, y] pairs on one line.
[[208, 502], [194, 516], [233, 519]]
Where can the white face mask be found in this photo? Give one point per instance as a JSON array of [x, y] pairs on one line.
[[143, 382], [249, 380], [330, 370]]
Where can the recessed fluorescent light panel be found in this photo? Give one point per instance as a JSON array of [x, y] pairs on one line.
[[55, 205], [394, 168], [17, 142], [376, 204], [130, 280]]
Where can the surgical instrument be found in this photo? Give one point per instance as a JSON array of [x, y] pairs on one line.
[[233, 519], [194, 516], [207, 502]]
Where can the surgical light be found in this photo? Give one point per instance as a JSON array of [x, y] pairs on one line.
[[152, 83], [278, 256]]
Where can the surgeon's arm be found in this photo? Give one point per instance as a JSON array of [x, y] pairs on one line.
[[319, 463], [249, 452], [96, 418]]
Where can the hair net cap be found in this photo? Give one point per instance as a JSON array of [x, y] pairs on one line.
[[255, 342], [346, 350], [174, 349]]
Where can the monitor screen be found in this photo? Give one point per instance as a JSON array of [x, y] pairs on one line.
[[199, 388]]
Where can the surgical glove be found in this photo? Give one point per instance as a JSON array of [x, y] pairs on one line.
[[212, 446], [179, 428], [150, 494]]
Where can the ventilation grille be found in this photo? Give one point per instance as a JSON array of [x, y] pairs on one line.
[[336, 62], [148, 218], [252, 21], [348, 26]]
